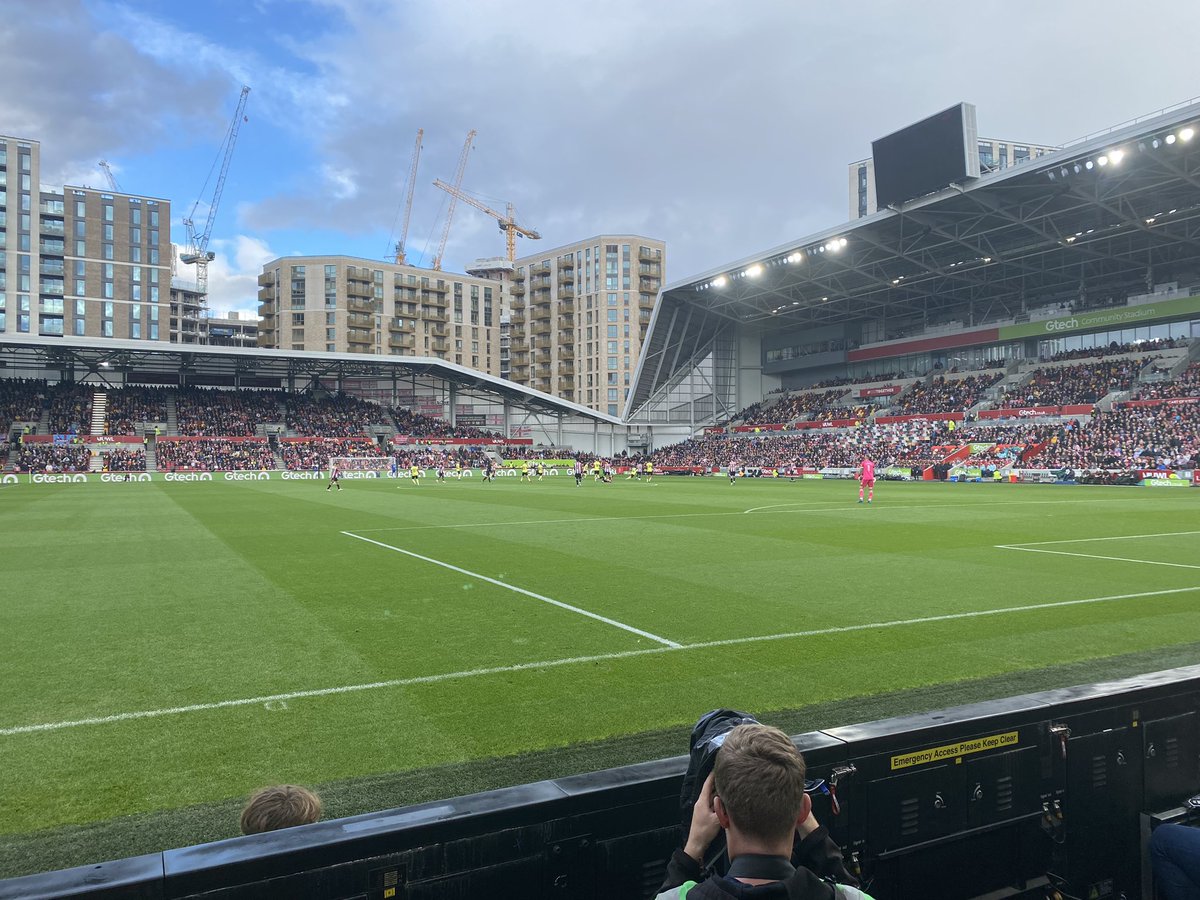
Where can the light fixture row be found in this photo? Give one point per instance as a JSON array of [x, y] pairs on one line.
[[755, 270]]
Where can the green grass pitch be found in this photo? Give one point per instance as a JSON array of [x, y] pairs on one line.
[[170, 647]]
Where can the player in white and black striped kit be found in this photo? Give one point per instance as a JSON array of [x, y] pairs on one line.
[[334, 478]]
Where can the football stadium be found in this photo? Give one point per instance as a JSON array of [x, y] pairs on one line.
[[480, 620]]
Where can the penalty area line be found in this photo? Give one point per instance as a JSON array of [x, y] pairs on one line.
[[1144, 562], [519, 590], [569, 661]]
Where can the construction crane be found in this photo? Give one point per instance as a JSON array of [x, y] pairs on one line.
[[197, 251], [110, 177], [412, 182], [458, 177], [507, 221]]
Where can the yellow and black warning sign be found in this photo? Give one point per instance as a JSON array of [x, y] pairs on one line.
[[955, 751]]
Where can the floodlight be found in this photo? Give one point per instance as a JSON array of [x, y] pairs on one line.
[[1078, 168], [842, 242], [1063, 172], [719, 281], [1156, 143], [754, 271], [1170, 139], [1088, 165], [1102, 161], [1115, 156], [1050, 175], [1187, 134]]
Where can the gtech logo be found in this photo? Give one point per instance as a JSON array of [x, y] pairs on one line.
[[121, 477], [1062, 324], [188, 476], [38, 478], [301, 476], [247, 476], [9, 479]]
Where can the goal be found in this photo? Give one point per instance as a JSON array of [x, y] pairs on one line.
[[362, 466]]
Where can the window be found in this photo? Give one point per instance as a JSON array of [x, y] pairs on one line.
[[331, 334], [80, 209], [612, 315], [612, 362], [108, 212], [80, 328], [135, 330], [106, 328], [612, 331], [297, 318], [135, 216], [108, 251]]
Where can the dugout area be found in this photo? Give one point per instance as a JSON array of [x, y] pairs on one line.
[[1051, 794]]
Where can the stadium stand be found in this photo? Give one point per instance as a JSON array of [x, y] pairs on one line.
[[301, 454], [944, 394], [132, 405], [1131, 437], [21, 400], [70, 409], [178, 454], [52, 458], [415, 424], [217, 413], [1085, 383], [340, 415], [123, 460]]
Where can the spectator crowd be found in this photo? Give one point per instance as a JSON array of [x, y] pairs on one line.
[[211, 412], [1066, 385], [213, 455], [127, 407]]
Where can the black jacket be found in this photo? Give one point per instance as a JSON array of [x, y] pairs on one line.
[[818, 858]]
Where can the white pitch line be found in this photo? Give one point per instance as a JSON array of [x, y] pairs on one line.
[[1115, 537], [844, 507], [1145, 562], [556, 663], [519, 590]]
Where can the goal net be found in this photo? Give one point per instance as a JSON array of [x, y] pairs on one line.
[[361, 466]]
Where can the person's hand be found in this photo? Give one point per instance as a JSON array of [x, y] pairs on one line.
[[704, 825], [808, 826]]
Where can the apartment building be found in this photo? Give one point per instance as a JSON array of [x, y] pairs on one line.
[[994, 155], [578, 315], [76, 260], [343, 304]]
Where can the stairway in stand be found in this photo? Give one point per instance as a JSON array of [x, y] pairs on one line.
[[99, 412]]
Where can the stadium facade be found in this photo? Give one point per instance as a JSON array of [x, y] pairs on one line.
[[1094, 242]]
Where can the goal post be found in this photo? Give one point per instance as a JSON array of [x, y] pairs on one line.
[[362, 466]]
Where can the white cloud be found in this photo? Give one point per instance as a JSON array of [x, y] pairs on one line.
[[233, 275]]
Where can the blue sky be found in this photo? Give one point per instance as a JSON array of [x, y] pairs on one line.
[[721, 128]]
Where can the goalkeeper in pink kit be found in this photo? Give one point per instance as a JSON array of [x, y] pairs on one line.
[[866, 479]]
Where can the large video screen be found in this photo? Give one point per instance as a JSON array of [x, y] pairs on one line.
[[926, 157]]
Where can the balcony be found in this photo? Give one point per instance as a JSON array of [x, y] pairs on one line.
[[517, 319], [565, 385], [542, 328], [403, 326], [566, 262], [439, 345], [649, 254], [517, 290], [566, 368], [439, 330], [566, 306], [645, 301], [434, 300], [50, 248], [517, 304], [51, 268], [649, 285], [653, 269], [402, 342], [360, 289], [358, 305], [53, 227], [434, 287], [517, 277], [565, 352], [565, 277], [566, 323], [266, 310], [520, 371], [540, 269], [566, 291], [358, 338], [358, 320]]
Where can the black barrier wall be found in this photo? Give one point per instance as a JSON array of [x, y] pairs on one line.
[[1008, 798]]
